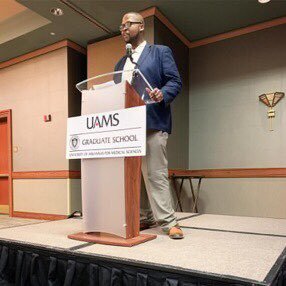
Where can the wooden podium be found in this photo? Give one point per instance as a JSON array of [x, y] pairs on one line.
[[111, 186]]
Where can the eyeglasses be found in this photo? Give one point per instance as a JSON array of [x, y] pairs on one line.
[[127, 25]]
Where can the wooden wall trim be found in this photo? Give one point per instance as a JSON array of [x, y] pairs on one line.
[[148, 12], [207, 173], [238, 32], [10, 162], [8, 115], [233, 173], [42, 51], [38, 216], [63, 174], [171, 27], [76, 47], [154, 11]]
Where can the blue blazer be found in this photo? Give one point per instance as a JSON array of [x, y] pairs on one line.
[[159, 68]]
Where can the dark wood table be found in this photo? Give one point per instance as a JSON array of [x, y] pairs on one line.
[[195, 194]]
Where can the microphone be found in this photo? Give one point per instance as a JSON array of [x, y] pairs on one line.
[[129, 55], [129, 50]]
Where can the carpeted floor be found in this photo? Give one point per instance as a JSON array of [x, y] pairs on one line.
[[240, 224], [231, 254], [214, 245], [7, 222], [50, 234]]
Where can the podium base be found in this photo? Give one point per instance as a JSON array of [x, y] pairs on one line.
[[110, 239]]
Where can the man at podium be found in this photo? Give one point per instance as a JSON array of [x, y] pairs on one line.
[[159, 68]]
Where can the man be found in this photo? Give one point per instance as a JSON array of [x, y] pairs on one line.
[[158, 66]]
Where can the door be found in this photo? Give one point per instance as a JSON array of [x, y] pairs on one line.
[[5, 162]]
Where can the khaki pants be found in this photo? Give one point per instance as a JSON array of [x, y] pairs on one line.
[[156, 204]]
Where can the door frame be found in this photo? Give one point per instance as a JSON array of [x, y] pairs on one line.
[[8, 115]]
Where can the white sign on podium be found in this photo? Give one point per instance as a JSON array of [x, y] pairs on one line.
[[119, 133]]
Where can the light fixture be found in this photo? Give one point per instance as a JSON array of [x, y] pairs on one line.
[[263, 1], [52, 33], [271, 99], [57, 11]]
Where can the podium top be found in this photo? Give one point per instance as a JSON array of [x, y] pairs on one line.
[[133, 76]]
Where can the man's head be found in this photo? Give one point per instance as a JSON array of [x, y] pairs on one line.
[[132, 28]]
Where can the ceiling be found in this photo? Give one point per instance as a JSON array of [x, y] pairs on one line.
[[10, 8], [27, 25]]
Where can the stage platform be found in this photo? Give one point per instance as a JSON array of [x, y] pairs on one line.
[[216, 250]]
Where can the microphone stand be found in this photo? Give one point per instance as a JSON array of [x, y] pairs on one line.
[[136, 66]]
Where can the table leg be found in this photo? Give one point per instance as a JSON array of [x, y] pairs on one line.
[[193, 196], [178, 193], [197, 196]]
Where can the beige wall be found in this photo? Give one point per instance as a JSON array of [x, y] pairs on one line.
[[178, 142], [74, 189], [48, 196], [33, 89], [77, 72], [243, 197], [229, 126], [102, 56]]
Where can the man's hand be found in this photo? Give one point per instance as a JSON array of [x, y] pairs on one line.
[[155, 94]]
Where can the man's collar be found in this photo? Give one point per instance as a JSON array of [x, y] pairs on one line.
[[140, 47]]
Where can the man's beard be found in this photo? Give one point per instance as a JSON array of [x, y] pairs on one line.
[[133, 40]]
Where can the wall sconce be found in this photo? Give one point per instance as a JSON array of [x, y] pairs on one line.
[[271, 99]]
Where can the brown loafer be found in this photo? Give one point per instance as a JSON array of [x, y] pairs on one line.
[[175, 232]]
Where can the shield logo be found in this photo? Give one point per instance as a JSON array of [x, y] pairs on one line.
[[74, 142]]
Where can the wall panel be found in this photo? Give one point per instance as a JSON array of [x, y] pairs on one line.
[[33, 89], [229, 126], [41, 196]]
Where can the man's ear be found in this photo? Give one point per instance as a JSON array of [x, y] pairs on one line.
[[142, 28]]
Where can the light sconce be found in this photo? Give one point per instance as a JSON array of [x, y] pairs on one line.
[[271, 99]]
